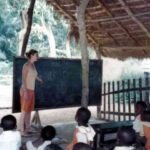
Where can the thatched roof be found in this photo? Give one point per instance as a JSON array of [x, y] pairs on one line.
[[119, 28]]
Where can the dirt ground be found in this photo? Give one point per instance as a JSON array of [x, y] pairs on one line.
[[62, 119], [51, 116]]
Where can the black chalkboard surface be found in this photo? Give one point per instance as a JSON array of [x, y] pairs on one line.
[[62, 85]]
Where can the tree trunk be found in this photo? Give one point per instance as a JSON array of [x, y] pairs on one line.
[[27, 29], [48, 31], [51, 41], [23, 16], [84, 52], [68, 51], [98, 52]]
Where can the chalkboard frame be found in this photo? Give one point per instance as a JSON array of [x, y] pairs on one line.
[[51, 58]]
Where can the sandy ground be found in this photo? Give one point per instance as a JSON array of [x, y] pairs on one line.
[[62, 119], [51, 116]]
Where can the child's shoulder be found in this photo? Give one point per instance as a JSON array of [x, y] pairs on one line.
[[16, 133], [84, 128]]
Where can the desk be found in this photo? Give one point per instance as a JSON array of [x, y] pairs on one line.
[[106, 133]]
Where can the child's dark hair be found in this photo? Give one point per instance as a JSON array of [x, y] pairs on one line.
[[145, 116], [82, 116], [8, 123], [142, 104], [126, 136], [48, 133], [81, 146], [30, 53], [53, 147]]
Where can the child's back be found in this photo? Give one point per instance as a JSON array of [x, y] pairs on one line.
[[145, 117], [83, 133], [47, 134], [10, 139], [126, 139]]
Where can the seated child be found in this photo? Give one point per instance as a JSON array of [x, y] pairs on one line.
[[126, 138], [47, 134], [145, 117], [53, 147], [10, 139], [83, 132], [139, 108], [82, 146]]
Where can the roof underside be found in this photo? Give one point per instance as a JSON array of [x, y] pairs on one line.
[[118, 28]]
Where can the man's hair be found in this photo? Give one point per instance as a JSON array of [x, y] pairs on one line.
[[126, 136], [8, 123], [48, 133], [142, 104], [82, 146], [53, 147], [83, 115], [145, 116]]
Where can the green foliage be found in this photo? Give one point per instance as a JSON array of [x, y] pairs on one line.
[[43, 12], [9, 27]]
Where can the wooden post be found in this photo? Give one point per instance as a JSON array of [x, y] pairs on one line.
[[109, 107], [146, 91], [134, 92], [123, 98], [129, 100], [104, 101], [113, 90], [118, 89], [29, 15], [84, 51], [140, 89], [99, 58]]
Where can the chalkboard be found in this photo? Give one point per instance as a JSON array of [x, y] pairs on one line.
[[62, 85]]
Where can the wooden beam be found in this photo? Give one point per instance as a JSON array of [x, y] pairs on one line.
[[119, 24], [130, 13], [73, 19], [100, 27], [111, 19], [127, 47]]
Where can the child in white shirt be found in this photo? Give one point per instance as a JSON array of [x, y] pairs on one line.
[[83, 133], [47, 134], [140, 107], [10, 139]]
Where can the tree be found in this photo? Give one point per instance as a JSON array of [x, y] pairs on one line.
[[84, 51], [28, 19]]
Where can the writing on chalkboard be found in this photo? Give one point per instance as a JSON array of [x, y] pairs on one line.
[[62, 85]]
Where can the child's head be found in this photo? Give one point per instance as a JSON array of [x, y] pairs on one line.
[[126, 136], [140, 107], [53, 147], [81, 146], [82, 116], [8, 123], [145, 116], [48, 133]]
